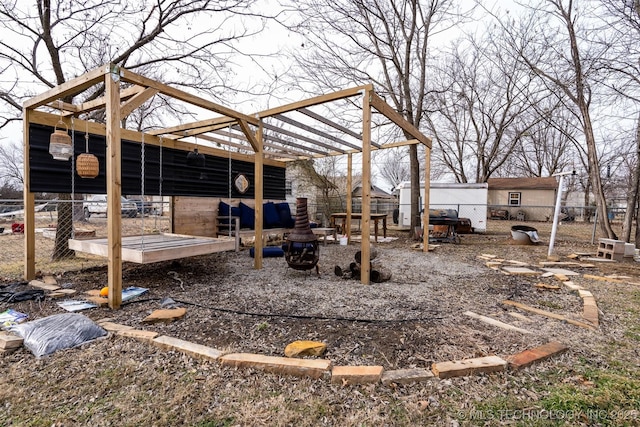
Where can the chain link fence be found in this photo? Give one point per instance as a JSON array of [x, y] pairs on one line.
[[56, 221]]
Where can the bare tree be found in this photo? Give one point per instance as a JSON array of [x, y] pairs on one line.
[[182, 43], [549, 146], [554, 42], [394, 166], [624, 80], [381, 41], [11, 164], [481, 110]]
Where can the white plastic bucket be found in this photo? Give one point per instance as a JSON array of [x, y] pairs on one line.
[[344, 241]]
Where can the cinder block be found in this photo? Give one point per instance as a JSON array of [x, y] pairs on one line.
[[356, 374], [610, 254], [629, 250], [615, 246]]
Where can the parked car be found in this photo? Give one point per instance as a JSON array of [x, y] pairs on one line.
[[50, 206], [144, 206], [98, 205]]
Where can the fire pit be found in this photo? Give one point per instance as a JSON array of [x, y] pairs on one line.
[[302, 251]]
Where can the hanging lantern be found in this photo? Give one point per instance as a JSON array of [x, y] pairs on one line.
[[60, 143], [195, 159], [87, 164]]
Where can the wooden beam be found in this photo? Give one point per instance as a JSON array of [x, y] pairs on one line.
[[426, 201], [98, 103], [321, 99], [210, 124], [547, 314], [311, 129], [285, 152], [259, 195], [136, 101], [398, 144], [328, 122], [286, 144], [302, 137], [280, 155], [494, 322], [70, 88], [463, 368], [347, 220], [365, 247], [29, 204], [181, 95], [386, 110], [66, 107], [114, 188], [251, 137], [227, 143]]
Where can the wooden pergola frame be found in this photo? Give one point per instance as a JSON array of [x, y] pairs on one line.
[[306, 141]]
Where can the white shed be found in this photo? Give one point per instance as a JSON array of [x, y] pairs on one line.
[[470, 200]]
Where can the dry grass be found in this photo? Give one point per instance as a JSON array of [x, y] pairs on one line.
[[119, 381]]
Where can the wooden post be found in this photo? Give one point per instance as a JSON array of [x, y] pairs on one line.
[[259, 195], [114, 186], [29, 207], [365, 246], [427, 188], [347, 220]]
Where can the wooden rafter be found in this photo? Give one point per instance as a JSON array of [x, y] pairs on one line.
[[278, 150], [286, 144], [328, 122], [335, 96], [250, 135], [225, 142], [136, 101], [205, 125], [181, 95], [99, 103], [303, 138], [70, 88], [311, 129], [384, 108]]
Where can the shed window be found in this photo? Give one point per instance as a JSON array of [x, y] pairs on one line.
[[287, 188], [514, 199]]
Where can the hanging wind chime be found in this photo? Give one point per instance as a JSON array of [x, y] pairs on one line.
[[60, 146], [87, 164]]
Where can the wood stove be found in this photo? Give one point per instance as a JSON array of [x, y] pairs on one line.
[[302, 249]]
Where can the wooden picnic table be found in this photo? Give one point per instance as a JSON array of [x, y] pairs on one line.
[[376, 217]]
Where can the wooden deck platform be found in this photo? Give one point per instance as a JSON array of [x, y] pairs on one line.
[[149, 248]]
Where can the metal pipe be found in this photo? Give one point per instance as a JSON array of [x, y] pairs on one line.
[[556, 214]]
